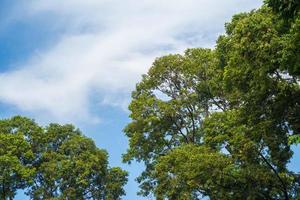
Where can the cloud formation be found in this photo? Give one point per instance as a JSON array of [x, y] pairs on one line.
[[103, 49]]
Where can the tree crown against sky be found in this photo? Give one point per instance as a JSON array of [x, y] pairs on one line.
[[220, 122], [55, 162]]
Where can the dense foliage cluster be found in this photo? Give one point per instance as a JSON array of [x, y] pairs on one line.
[[55, 162], [219, 123]]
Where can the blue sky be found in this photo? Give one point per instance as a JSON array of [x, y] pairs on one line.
[[77, 61]]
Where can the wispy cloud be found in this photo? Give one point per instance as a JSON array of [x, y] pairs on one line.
[[104, 48]]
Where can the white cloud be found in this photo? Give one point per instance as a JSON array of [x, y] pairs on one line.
[[105, 47]]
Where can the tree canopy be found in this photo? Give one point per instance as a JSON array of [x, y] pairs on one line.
[[220, 122], [54, 162]]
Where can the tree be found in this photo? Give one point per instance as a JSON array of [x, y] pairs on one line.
[[169, 106], [72, 167], [55, 162], [237, 105]]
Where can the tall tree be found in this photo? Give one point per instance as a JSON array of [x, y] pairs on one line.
[[236, 106], [169, 106]]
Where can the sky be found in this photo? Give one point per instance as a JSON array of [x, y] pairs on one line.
[[77, 61]]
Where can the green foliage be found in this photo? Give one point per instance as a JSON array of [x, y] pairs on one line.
[[219, 123], [294, 139], [55, 162], [182, 174], [116, 179], [169, 106], [16, 156], [286, 8]]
